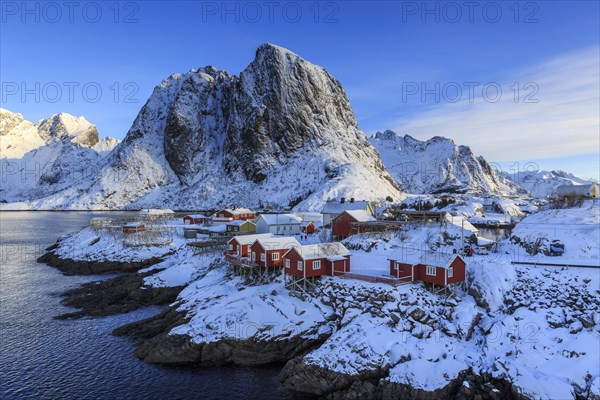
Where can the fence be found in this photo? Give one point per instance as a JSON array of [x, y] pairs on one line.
[[377, 279]]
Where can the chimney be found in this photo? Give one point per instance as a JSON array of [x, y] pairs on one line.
[[351, 199], [342, 200]]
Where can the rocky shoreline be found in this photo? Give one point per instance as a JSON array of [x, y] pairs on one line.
[[126, 292], [123, 293], [75, 267]]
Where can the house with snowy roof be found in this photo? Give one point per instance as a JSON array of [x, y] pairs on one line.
[[334, 208], [317, 260], [192, 219], [268, 251], [240, 245], [436, 268], [133, 227], [279, 224], [240, 226], [347, 223], [233, 214]]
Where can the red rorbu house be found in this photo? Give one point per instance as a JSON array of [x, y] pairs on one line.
[[239, 246], [343, 225], [268, 252], [233, 214], [440, 269], [133, 227], [317, 260], [194, 219]]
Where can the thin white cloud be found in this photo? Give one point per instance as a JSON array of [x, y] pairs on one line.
[[564, 122]]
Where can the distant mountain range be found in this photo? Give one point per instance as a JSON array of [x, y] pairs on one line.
[[544, 183], [438, 165], [281, 133]]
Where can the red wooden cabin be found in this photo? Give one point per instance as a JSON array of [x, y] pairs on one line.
[[194, 219], [133, 227], [233, 214], [317, 260], [342, 225], [268, 252], [438, 268], [240, 245]]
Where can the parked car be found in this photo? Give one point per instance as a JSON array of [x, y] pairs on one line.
[[482, 251], [556, 248]]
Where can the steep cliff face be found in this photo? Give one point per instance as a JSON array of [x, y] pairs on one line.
[[439, 165], [281, 133]]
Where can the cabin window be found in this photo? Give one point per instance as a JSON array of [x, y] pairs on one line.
[[317, 264], [247, 247], [300, 265], [287, 262], [275, 256], [253, 256], [220, 215], [396, 266], [263, 257], [450, 272], [230, 247], [431, 270]]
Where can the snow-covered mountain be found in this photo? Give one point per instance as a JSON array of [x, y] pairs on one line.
[[65, 126], [54, 154], [17, 135], [544, 183], [438, 165], [282, 132]]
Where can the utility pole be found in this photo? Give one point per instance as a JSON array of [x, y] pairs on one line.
[[462, 235]]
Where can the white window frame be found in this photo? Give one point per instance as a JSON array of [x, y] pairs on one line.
[[300, 265], [316, 264], [253, 256], [450, 272], [430, 270], [396, 266], [287, 263], [231, 247], [263, 257], [275, 256]]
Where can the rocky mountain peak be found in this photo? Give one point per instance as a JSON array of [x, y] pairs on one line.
[[62, 126]]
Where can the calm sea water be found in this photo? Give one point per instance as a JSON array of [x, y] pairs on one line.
[[43, 358]]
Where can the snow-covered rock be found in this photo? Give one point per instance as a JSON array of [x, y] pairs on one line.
[[438, 165]]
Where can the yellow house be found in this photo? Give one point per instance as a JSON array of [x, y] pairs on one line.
[[240, 226]]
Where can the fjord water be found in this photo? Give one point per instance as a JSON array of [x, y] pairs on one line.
[[44, 358]]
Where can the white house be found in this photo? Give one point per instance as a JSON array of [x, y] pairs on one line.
[[334, 208], [279, 224]]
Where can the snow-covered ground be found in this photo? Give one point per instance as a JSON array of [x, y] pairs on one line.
[[538, 327]]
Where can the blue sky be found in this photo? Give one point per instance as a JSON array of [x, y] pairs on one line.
[[406, 65]]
